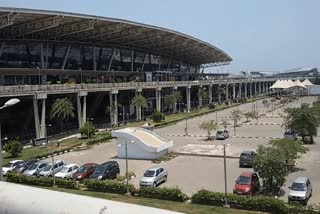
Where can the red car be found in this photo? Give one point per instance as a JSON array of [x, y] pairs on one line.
[[247, 184], [85, 171]]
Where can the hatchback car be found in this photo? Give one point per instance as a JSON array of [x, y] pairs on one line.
[[48, 170], [85, 171], [25, 165], [11, 166], [35, 169], [108, 170], [153, 177], [246, 158], [67, 171], [222, 134], [300, 190], [289, 134], [247, 184]]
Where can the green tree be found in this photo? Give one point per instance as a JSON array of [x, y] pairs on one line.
[[112, 110], [88, 129], [171, 101], [235, 116], [209, 126], [157, 116], [13, 147], [270, 163], [248, 115], [139, 102], [62, 109], [204, 95], [302, 120]]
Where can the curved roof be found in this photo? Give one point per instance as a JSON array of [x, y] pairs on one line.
[[19, 23]]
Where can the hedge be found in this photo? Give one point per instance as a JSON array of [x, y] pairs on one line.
[[99, 140], [109, 186], [163, 193], [257, 203], [41, 181]]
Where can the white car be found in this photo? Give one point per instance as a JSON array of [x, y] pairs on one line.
[[11, 166], [67, 171], [48, 170], [153, 177]]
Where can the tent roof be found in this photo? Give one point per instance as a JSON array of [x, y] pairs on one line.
[[306, 82]]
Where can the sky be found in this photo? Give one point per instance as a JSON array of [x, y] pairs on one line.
[[264, 35]]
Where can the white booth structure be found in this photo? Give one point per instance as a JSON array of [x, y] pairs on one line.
[[141, 143]]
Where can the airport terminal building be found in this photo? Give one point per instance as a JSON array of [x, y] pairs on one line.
[[98, 62]]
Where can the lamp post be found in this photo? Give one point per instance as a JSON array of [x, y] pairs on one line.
[[7, 104], [52, 155], [226, 205], [127, 167]]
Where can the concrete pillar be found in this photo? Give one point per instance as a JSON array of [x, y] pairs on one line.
[[36, 116], [227, 92], [245, 89], [255, 88], [84, 110], [116, 109], [234, 91], [111, 112], [158, 99], [219, 94], [240, 90], [200, 95], [251, 84], [43, 119], [210, 94], [174, 90], [188, 98], [138, 108], [79, 111]]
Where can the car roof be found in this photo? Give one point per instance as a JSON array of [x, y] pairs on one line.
[[247, 152], [155, 168], [222, 130], [14, 161], [71, 164], [89, 164], [300, 180], [109, 162], [247, 174]]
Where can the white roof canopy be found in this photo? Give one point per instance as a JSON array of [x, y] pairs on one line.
[[306, 82]]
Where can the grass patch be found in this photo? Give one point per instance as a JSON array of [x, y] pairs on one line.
[[165, 158], [168, 205]]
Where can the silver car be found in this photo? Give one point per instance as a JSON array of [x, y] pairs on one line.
[[35, 169], [222, 134], [300, 190], [48, 170], [153, 177]]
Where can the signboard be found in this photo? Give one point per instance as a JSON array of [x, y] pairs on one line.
[[148, 76]]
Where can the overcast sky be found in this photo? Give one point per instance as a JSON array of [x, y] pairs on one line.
[[269, 35]]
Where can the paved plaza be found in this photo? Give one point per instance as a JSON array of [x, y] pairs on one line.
[[199, 168]]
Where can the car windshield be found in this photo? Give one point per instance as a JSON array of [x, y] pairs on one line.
[[243, 180], [99, 170], [9, 165], [64, 169], [82, 169], [28, 164], [298, 187], [219, 132], [47, 168], [33, 166], [245, 156], [149, 173]]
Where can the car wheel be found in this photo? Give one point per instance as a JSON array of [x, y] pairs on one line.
[[165, 179], [154, 184]]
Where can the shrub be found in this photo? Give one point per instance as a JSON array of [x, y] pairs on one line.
[[13, 147], [88, 129], [109, 186], [41, 181], [98, 140], [157, 116], [163, 193], [257, 203], [212, 106]]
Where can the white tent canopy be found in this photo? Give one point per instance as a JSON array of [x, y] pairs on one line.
[[276, 85], [297, 83], [306, 82]]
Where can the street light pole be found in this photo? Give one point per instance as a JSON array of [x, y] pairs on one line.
[[127, 179], [52, 155], [225, 177], [7, 104]]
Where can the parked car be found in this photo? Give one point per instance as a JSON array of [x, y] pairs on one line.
[[300, 190], [48, 170], [11, 166], [247, 184], [264, 101], [153, 177], [67, 171], [222, 134], [289, 134], [25, 165], [35, 168], [85, 171], [246, 158], [108, 170]]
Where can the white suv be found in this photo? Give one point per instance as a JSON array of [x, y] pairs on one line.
[[300, 190]]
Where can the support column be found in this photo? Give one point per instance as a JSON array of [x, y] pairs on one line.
[[158, 99], [255, 88], [246, 90], [138, 108], [175, 104], [200, 96], [227, 92], [79, 111], [234, 91], [188, 98], [84, 110], [111, 109], [260, 88], [115, 119], [43, 119], [210, 93], [240, 90], [36, 116]]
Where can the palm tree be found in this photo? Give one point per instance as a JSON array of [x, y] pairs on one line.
[[139, 102], [62, 109], [171, 100], [112, 109]]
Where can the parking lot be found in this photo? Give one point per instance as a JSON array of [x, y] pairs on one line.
[[192, 172]]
